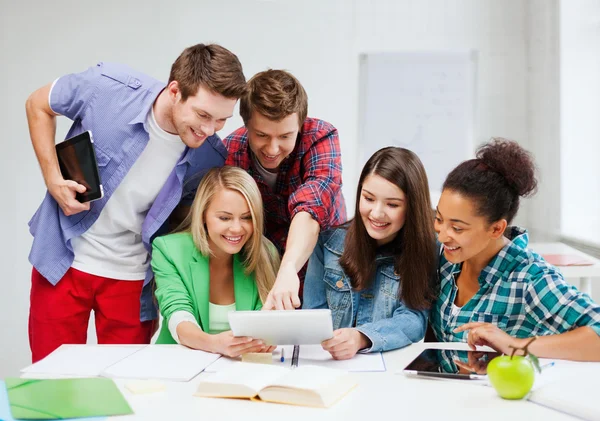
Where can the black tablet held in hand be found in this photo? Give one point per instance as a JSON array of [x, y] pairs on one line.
[[77, 160]]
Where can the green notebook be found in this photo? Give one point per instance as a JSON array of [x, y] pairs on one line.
[[65, 398]]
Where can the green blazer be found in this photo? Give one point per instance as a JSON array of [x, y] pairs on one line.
[[183, 282]]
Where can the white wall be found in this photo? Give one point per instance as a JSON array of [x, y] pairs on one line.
[[580, 119], [543, 61], [318, 40]]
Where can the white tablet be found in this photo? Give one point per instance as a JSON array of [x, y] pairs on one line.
[[283, 327]]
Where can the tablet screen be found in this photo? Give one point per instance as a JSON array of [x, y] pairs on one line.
[[77, 162], [451, 362]]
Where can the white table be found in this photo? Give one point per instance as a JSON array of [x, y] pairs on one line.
[[385, 395], [583, 273]]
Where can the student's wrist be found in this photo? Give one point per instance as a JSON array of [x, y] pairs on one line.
[[192, 336], [287, 265], [512, 344], [209, 342], [363, 341], [53, 179]]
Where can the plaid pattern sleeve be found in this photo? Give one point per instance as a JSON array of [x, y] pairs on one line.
[[553, 303], [237, 149], [519, 292], [321, 178]]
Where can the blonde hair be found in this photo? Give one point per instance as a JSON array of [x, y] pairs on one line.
[[259, 254]]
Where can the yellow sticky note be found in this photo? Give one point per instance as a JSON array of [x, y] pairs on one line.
[[139, 387], [258, 357]]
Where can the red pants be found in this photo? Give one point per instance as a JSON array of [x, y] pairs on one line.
[[60, 314]]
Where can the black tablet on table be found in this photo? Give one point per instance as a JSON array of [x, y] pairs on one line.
[[451, 364]]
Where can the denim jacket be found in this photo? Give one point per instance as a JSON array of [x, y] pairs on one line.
[[380, 315]]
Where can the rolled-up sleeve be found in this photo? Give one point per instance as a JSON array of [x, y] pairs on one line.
[[321, 181], [559, 306], [405, 327], [171, 293], [71, 94]]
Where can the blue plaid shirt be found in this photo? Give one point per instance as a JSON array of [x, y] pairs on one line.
[[519, 292]]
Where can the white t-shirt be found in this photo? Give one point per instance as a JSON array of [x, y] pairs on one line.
[[455, 309], [112, 247]]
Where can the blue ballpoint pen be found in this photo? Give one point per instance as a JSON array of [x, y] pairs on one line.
[[548, 365]]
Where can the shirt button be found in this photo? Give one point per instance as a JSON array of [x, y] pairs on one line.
[[339, 284]]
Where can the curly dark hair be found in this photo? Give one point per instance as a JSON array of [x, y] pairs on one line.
[[501, 173]]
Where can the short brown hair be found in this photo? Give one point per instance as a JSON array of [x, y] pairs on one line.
[[210, 66], [275, 94]]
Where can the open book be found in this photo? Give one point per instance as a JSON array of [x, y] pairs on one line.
[[306, 386]]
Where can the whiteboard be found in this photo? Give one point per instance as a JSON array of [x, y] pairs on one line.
[[422, 101]]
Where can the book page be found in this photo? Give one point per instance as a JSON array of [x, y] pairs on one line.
[[252, 376], [571, 388], [310, 378], [315, 355], [168, 362], [309, 386], [81, 360]]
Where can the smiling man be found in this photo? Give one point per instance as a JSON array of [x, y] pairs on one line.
[[297, 165], [153, 143]]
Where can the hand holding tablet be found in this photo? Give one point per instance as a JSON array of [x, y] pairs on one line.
[[77, 161], [283, 327]]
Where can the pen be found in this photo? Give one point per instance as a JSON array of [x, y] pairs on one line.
[[545, 366], [282, 355]]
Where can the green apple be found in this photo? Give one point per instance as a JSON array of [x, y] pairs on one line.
[[512, 377]]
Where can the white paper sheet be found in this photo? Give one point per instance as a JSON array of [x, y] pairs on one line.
[[81, 360], [165, 362], [316, 355]]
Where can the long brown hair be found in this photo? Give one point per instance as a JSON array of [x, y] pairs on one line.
[[414, 245]]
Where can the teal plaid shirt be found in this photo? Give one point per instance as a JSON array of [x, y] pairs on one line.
[[519, 292]]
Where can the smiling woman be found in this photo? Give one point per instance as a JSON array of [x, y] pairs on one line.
[[218, 262], [375, 272], [493, 289]]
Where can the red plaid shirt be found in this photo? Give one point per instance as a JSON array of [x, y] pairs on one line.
[[309, 180]]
